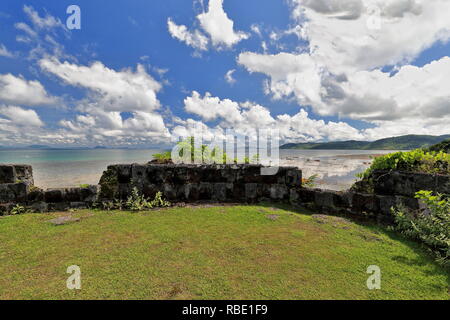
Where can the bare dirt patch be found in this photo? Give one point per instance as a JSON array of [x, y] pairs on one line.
[[337, 222]]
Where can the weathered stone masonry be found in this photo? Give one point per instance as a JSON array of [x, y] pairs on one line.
[[17, 187], [220, 183], [191, 183]]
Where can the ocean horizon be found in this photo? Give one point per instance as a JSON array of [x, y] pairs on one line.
[[68, 167]]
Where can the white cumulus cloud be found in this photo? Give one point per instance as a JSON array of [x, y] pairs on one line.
[[341, 69], [20, 117], [19, 91], [215, 23], [195, 38], [219, 26]]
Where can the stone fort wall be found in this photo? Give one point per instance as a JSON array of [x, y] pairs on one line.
[[220, 183]]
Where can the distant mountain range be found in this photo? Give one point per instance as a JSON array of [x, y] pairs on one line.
[[408, 142]]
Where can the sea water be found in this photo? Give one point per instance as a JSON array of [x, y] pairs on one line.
[[54, 168]]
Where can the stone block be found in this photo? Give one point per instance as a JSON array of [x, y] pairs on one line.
[[14, 192], [170, 191], [138, 173], [36, 195], [189, 192], [124, 173], [89, 194], [72, 194], [6, 193], [78, 205], [206, 191], [307, 195], [386, 203], [58, 206], [278, 192], [324, 199], [7, 174], [364, 203], [148, 190], [407, 183], [294, 197], [294, 178], [39, 207], [407, 202], [54, 195], [251, 191], [24, 173], [220, 191]]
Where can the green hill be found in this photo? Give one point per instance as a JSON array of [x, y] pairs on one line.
[[443, 146], [407, 142]]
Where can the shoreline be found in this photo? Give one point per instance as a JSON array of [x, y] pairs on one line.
[[335, 172]]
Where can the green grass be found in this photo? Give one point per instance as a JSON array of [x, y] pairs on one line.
[[242, 252]]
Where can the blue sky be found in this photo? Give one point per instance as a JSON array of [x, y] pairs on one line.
[[286, 68]]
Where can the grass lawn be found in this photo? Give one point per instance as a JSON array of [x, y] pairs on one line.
[[235, 252]]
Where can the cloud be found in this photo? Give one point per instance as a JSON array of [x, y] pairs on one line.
[[399, 8], [124, 90], [121, 107], [340, 69], [290, 74], [19, 91], [340, 9], [219, 26], [209, 108], [215, 23], [380, 32], [195, 39], [229, 76], [47, 22], [28, 30], [20, 117], [4, 52], [248, 116], [41, 35]]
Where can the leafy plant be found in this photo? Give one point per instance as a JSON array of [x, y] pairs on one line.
[[414, 161], [18, 209], [33, 188], [310, 182], [190, 152], [165, 156], [84, 185], [159, 202], [430, 226], [138, 202]]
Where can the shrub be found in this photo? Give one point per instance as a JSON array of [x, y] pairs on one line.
[[430, 226], [159, 202], [138, 202], [191, 152], [165, 156], [414, 161], [18, 209], [443, 146]]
